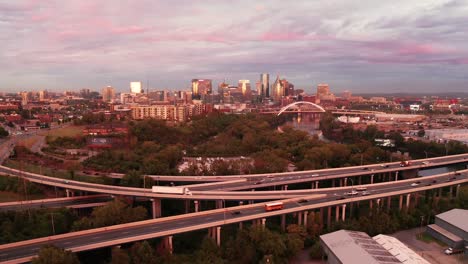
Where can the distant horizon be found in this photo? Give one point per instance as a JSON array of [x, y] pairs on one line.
[[398, 46]]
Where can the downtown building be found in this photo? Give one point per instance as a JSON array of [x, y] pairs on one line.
[[201, 88], [108, 94], [264, 89]]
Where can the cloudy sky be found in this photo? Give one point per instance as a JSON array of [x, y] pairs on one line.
[[363, 46]]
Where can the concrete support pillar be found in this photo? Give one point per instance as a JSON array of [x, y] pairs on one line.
[[372, 178], [416, 199], [316, 185], [219, 204], [263, 222], [218, 236], [389, 201], [345, 181], [306, 213], [343, 215], [439, 192], [400, 205], [196, 205], [299, 218], [451, 192], [321, 216], [187, 206], [408, 199], [67, 192], [378, 204], [457, 190], [250, 201], [371, 204], [167, 244], [333, 183], [285, 187], [329, 216], [359, 180], [283, 222], [156, 206], [241, 225], [337, 213], [396, 176]]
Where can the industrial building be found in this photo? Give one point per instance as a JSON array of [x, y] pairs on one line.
[[353, 247], [451, 227]]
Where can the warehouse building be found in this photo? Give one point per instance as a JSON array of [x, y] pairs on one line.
[[451, 228]]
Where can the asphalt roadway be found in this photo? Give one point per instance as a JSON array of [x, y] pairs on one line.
[[102, 237]]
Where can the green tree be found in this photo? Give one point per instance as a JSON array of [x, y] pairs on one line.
[[3, 132], [52, 255], [119, 256], [132, 179], [142, 253]]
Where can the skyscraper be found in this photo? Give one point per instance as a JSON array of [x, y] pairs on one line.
[[277, 89], [136, 87], [265, 88], [108, 94], [245, 89], [322, 89], [201, 87]]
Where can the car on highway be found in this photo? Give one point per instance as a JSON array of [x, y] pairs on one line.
[[384, 166], [425, 162], [315, 175], [450, 251], [66, 181], [360, 189], [353, 192], [365, 168], [303, 201], [341, 198], [365, 193], [414, 184], [236, 212]]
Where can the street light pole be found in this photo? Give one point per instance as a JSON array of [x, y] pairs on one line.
[[53, 224]]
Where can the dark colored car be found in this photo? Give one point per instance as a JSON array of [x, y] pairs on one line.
[[302, 201], [236, 213]]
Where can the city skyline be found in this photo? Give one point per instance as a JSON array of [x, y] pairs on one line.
[[402, 46]]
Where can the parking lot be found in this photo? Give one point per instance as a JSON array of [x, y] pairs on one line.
[[432, 252]]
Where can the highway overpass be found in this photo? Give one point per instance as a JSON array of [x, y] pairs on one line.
[[68, 202], [213, 220]]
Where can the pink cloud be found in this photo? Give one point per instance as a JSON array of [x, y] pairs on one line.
[[128, 30], [418, 49]]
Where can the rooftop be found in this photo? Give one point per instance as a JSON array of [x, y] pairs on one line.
[[352, 247], [399, 250], [456, 217]]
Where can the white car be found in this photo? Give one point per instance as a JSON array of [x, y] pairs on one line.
[[425, 162], [414, 184], [353, 192]]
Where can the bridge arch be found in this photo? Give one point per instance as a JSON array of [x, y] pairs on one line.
[[320, 109]]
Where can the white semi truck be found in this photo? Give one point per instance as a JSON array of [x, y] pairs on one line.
[[171, 190]]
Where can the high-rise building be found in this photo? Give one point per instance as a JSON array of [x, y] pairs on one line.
[[43, 95], [201, 87], [323, 92], [265, 88], [136, 87], [24, 98], [245, 89], [323, 89], [277, 89], [108, 94]]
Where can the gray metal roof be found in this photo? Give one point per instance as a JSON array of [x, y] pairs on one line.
[[456, 217], [352, 247]]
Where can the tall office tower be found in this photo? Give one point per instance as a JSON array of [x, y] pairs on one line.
[[200, 87], [24, 98], [108, 94], [244, 88], [277, 89], [222, 88], [43, 95], [265, 88], [136, 87], [322, 90], [288, 88]]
